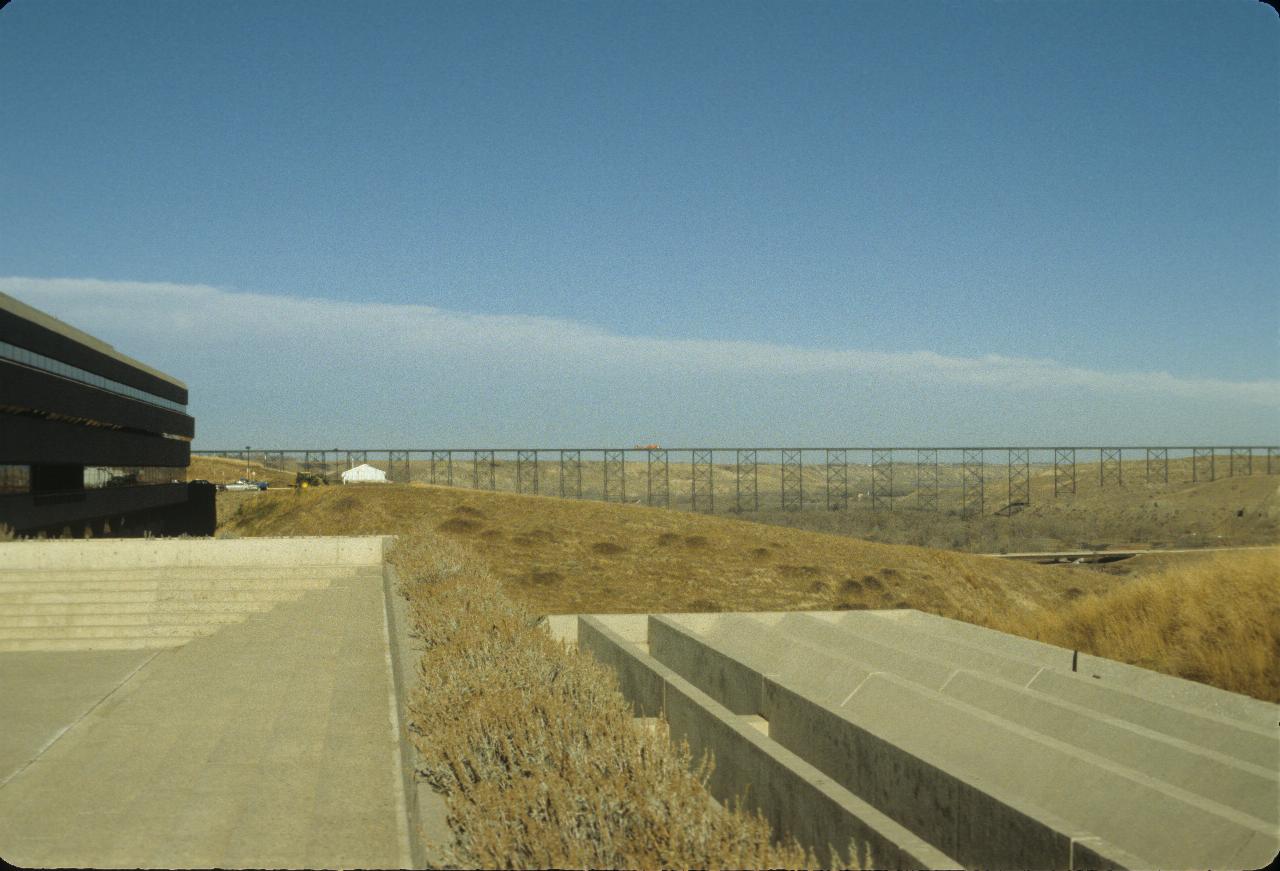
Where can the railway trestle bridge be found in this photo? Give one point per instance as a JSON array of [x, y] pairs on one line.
[[970, 481]]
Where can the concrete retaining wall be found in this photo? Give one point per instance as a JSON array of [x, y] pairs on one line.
[[794, 796]]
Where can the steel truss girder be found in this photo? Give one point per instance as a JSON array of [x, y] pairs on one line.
[[927, 479], [746, 477], [1158, 465], [881, 478], [615, 476], [483, 470], [837, 479], [792, 479], [1241, 461], [657, 478], [442, 468], [1064, 471], [526, 472], [1202, 460], [398, 467], [1272, 465], [971, 484], [1019, 476], [355, 458], [273, 460], [702, 488], [1110, 467], [571, 474]]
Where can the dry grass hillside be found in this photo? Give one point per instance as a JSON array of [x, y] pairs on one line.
[[1228, 511], [222, 470], [568, 556], [538, 753], [1234, 509], [1213, 617]]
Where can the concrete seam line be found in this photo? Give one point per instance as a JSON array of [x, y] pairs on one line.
[[860, 685], [1028, 684], [397, 757], [945, 682], [65, 729]]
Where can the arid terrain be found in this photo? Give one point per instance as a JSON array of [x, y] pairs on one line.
[[571, 556], [1229, 511]]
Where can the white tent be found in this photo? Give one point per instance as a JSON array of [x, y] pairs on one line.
[[364, 474]]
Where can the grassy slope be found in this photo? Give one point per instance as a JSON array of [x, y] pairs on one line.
[[537, 750], [563, 556], [221, 470], [1213, 618], [1208, 617], [1230, 510]]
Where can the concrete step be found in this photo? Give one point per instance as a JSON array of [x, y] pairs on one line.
[[1204, 716], [152, 607], [122, 643], [1134, 681], [999, 687], [122, 585], [143, 596], [847, 717], [172, 573], [71, 598], [151, 630], [127, 619]]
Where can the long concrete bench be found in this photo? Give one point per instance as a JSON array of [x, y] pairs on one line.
[[992, 754], [1172, 712], [1160, 688], [793, 795], [974, 676], [975, 750]]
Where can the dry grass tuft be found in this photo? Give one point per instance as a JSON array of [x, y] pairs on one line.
[[458, 524], [1215, 620], [539, 754]]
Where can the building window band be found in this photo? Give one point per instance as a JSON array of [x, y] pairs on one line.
[[33, 360]]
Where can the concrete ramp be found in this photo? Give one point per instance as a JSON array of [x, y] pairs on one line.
[[932, 743], [267, 736]]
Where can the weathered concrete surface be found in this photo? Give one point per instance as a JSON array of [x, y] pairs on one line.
[[1200, 698], [42, 694], [794, 796], [987, 748], [139, 553], [273, 742], [83, 595]]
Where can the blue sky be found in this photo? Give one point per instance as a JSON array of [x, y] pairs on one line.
[[853, 222]]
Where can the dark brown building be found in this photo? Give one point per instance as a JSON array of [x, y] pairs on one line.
[[90, 438]]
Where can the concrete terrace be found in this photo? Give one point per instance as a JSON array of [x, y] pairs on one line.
[[930, 743], [200, 703]]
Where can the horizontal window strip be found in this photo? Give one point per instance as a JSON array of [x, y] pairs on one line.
[[35, 360]]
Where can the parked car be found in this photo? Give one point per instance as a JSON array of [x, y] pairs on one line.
[[246, 484]]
